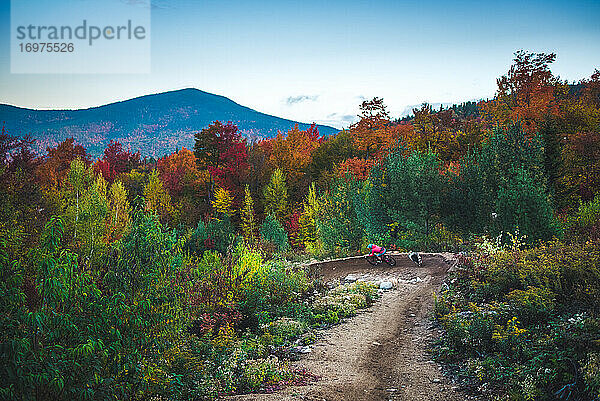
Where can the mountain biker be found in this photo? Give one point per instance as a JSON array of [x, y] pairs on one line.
[[376, 250]]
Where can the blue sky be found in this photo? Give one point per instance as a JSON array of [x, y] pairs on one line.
[[316, 60]]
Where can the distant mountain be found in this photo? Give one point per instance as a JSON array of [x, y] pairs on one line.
[[153, 124]]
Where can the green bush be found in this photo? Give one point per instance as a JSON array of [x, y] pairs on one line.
[[260, 373], [283, 329], [342, 302], [525, 322], [216, 234], [591, 371], [272, 232], [533, 304], [366, 289], [585, 223], [79, 334], [327, 318], [338, 222], [276, 292]]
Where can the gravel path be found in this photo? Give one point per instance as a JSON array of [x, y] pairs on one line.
[[381, 353]]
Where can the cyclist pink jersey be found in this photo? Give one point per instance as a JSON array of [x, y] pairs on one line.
[[376, 250]]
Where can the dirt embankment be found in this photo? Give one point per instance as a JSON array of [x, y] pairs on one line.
[[381, 354]]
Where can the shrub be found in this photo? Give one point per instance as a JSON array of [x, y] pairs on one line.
[[272, 232], [532, 304], [523, 323], [338, 225], [366, 289], [284, 329], [442, 239], [216, 234], [591, 371], [261, 373], [275, 292], [343, 301], [340, 304], [585, 223], [94, 335]]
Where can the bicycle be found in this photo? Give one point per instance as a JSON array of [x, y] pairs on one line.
[[375, 260]]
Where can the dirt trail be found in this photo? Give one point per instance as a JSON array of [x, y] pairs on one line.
[[381, 353]]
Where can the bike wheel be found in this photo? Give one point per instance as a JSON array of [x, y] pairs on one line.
[[372, 260], [389, 260]]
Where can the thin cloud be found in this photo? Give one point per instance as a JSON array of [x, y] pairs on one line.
[[339, 120], [292, 100], [342, 117]]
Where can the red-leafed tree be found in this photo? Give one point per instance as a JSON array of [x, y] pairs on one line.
[[116, 161], [292, 227], [221, 149]]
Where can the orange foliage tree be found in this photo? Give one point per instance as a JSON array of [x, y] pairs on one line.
[[292, 153], [186, 183], [179, 172], [373, 134], [55, 165], [443, 131], [356, 168], [526, 94]]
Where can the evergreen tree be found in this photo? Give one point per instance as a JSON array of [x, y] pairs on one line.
[[338, 223], [272, 232], [407, 190], [523, 205], [508, 150], [467, 203], [276, 196], [550, 132], [491, 192], [307, 221], [248, 217]]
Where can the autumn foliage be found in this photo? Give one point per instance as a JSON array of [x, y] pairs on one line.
[[135, 278]]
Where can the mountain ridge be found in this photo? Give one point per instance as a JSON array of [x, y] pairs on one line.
[[155, 124]]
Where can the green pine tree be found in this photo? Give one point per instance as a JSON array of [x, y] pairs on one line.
[[276, 196], [248, 217], [307, 221]]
